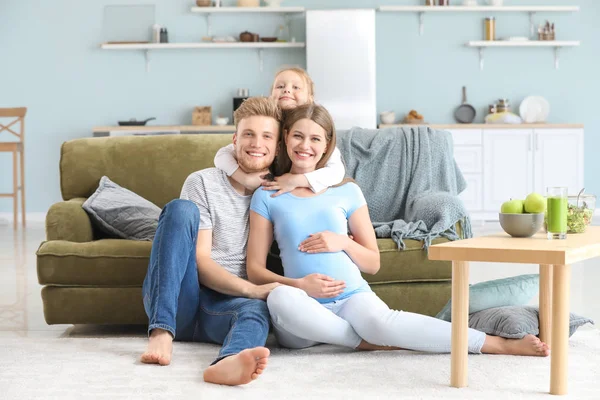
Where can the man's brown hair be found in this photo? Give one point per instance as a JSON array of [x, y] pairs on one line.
[[257, 106]]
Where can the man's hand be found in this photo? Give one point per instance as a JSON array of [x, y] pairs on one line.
[[321, 286], [261, 292], [285, 183], [253, 180], [324, 242]]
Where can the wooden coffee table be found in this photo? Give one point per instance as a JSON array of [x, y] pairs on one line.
[[554, 258]]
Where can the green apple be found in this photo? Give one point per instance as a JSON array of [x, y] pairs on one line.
[[535, 203], [512, 207]]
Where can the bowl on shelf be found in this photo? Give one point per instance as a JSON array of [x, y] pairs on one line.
[[268, 39], [221, 121], [521, 225], [203, 3], [387, 117]]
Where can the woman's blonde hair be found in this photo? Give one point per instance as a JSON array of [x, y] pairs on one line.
[[307, 79], [315, 113]]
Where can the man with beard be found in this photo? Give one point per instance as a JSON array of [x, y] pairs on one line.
[[196, 287]]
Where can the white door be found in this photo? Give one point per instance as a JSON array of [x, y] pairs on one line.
[[558, 159], [507, 166]]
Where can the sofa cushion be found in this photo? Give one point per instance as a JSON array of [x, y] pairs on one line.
[[410, 264], [119, 262], [122, 213], [106, 262]]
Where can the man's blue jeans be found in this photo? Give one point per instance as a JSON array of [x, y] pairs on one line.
[[175, 301]]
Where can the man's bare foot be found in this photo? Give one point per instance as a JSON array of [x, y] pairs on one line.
[[529, 345], [160, 348], [238, 369], [364, 345]]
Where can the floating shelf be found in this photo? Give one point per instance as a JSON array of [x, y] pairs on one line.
[[207, 45], [556, 44], [421, 10], [208, 11], [146, 47], [224, 10], [478, 8]]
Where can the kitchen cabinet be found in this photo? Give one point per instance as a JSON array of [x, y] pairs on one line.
[[558, 159], [503, 163], [507, 166]]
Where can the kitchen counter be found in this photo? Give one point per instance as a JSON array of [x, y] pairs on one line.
[[155, 129], [493, 126]]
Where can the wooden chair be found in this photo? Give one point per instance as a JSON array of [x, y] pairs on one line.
[[15, 147]]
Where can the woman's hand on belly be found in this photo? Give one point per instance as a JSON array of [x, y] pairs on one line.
[[324, 242], [321, 286]]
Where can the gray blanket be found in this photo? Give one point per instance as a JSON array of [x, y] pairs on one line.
[[410, 181]]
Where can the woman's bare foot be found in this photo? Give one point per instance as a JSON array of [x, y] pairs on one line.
[[530, 345], [238, 369], [160, 348], [364, 345]]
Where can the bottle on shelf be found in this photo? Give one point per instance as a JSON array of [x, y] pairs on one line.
[[490, 28], [164, 35]]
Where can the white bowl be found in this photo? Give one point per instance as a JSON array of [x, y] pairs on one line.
[[387, 117], [221, 121]]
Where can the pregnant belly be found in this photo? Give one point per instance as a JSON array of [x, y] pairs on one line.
[[335, 265]]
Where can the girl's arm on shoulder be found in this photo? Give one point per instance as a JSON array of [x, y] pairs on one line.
[[260, 239], [331, 174], [226, 162], [363, 249]]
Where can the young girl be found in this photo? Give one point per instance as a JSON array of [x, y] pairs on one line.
[[292, 87], [311, 230]]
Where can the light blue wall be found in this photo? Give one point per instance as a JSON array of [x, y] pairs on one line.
[[51, 63]]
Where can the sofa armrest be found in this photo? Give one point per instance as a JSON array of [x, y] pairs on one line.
[[67, 220]]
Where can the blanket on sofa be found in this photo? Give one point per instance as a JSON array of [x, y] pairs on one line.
[[410, 181]]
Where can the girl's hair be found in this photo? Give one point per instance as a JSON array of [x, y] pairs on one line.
[[309, 82], [315, 113]]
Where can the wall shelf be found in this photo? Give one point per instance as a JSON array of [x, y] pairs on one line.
[[209, 11], [147, 47], [226, 10], [478, 8], [421, 10], [482, 44]]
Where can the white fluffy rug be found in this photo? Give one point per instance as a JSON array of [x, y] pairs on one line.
[[108, 367]]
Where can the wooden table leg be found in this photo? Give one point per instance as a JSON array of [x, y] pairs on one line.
[[545, 303], [559, 351], [460, 324]]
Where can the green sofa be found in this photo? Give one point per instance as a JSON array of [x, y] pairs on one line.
[[90, 279]]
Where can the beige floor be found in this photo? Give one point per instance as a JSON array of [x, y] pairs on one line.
[[21, 312]]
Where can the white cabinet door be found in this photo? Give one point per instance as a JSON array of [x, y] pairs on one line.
[[558, 159], [507, 166], [468, 159], [472, 196]]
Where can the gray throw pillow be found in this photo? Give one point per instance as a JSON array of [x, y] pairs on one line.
[[514, 322], [122, 213]]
